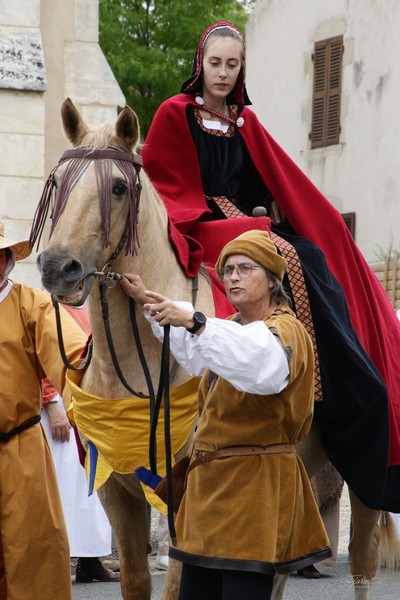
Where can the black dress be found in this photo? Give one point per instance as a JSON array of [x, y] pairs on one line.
[[353, 415]]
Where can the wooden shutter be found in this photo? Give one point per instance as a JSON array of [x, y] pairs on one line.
[[325, 128], [350, 220]]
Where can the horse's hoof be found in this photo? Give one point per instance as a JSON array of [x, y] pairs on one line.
[[310, 572]]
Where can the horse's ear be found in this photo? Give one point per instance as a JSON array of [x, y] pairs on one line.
[[127, 127], [74, 126]]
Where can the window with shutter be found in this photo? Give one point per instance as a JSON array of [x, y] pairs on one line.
[[325, 127], [350, 220]]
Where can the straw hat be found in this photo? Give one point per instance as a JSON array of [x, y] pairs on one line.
[[21, 249]]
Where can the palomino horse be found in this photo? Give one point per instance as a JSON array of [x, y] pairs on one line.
[[96, 221]]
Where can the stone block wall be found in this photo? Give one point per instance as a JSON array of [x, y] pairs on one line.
[[48, 51], [23, 83], [388, 273]]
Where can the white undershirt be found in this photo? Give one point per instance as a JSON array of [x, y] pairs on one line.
[[6, 290], [215, 125], [249, 356]]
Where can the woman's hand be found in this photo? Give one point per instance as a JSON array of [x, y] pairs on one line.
[[165, 312], [277, 216], [59, 424], [134, 287]]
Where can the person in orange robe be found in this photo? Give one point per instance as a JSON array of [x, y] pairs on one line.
[[34, 558]]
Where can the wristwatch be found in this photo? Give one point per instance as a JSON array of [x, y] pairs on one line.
[[199, 320]]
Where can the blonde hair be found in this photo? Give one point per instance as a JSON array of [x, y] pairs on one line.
[[278, 292]]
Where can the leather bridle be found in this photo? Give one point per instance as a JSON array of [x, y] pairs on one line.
[[107, 276]]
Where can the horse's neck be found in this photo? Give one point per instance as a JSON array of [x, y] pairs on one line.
[[156, 263], [101, 375]]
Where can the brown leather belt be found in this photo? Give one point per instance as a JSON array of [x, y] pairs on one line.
[[204, 457]]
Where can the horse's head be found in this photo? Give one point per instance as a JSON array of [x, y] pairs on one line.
[[93, 193]]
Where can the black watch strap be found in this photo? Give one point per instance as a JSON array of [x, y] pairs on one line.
[[199, 320]]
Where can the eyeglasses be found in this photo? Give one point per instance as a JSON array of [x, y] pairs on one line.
[[243, 270]]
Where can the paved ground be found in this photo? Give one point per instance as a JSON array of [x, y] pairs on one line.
[[111, 591], [336, 583]]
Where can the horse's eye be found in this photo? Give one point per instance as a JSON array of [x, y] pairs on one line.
[[119, 188]]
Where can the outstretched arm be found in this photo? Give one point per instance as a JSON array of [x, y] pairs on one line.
[[250, 357], [163, 310]]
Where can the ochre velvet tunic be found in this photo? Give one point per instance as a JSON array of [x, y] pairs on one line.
[[34, 538], [254, 513]]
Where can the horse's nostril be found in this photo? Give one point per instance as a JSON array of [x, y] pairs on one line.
[[72, 270]]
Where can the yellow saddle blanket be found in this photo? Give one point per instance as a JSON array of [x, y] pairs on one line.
[[118, 431]]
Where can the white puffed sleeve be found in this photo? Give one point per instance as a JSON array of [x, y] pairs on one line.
[[249, 356]]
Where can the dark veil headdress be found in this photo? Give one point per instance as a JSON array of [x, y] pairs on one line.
[[193, 85]]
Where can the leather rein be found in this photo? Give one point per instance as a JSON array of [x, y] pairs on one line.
[[107, 278]]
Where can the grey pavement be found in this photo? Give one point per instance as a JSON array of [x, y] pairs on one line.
[[336, 584], [111, 591]]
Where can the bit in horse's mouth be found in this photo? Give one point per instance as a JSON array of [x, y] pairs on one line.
[[74, 296]]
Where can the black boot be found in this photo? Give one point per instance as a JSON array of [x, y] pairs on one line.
[[309, 572], [92, 569]]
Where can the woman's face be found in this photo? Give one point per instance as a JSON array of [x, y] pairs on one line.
[[221, 67], [246, 291]]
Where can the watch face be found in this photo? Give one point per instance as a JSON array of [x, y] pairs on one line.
[[199, 318]]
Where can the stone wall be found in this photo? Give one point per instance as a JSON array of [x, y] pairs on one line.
[[48, 51], [361, 173], [388, 273], [23, 83]]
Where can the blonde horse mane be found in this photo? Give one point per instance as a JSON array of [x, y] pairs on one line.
[[103, 137]]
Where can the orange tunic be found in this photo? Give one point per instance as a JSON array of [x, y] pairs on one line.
[[34, 538]]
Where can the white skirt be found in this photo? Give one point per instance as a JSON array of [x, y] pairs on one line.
[[88, 527]]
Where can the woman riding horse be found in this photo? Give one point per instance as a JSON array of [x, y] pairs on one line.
[[213, 163]]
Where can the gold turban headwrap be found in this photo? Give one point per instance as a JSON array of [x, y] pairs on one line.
[[257, 245]]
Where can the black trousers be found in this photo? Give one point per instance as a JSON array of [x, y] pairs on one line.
[[199, 583]]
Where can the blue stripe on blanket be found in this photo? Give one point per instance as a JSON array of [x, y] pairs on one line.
[[147, 477]]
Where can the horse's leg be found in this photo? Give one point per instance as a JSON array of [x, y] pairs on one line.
[[173, 577], [327, 486], [363, 547], [279, 586], [311, 451], [314, 458], [172, 580], [124, 502], [3, 583], [331, 519]]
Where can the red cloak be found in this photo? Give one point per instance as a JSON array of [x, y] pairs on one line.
[[170, 159]]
